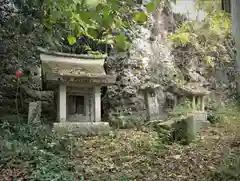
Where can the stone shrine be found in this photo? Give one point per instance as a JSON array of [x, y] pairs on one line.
[[197, 95], [76, 81], [151, 101]]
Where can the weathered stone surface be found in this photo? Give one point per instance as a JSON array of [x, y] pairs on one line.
[[34, 112], [17, 49], [201, 119], [83, 128], [147, 59], [124, 95], [185, 130]]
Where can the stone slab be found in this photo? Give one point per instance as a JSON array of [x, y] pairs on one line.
[[83, 128], [152, 106], [200, 116], [201, 120], [34, 112]]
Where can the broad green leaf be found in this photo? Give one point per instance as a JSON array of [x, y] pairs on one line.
[[121, 41], [106, 11], [184, 38], [85, 17], [150, 7], [71, 40], [141, 17], [96, 18], [92, 32], [113, 4], [108, 19]]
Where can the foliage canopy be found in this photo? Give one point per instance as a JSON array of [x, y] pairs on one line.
[[210, 36], [101, 20]]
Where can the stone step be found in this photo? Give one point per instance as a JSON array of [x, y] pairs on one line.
[[83, 128]]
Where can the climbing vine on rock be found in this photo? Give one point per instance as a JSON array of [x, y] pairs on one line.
[[209, 38], [204, 49]]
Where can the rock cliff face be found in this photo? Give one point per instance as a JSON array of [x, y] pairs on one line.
[[164, 65], [149, 59]]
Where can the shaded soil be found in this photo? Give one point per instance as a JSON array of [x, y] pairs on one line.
[[128, 155], [136, 155]]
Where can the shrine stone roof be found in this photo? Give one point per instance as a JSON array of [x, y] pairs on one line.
[[193, 89], [149, 86], [73, 68]]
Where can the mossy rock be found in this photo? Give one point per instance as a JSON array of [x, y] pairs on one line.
[[185, 131]]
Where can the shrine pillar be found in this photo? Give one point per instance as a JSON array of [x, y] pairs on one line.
[[97, 104], [62, 103]]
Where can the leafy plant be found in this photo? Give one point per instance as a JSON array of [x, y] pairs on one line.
[[96, 19], [229, 170], [208, 37], [46, 154]]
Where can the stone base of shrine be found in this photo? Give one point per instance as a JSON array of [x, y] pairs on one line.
[[83, 128], [201, 120]]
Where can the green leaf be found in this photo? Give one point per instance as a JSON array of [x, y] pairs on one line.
[[209, 61], [85, 17], [71, 40], [141, 17], [106, 11], [184, 38], [92, 32], [121, 42], [150, 7], [113, 4], [107, 21]]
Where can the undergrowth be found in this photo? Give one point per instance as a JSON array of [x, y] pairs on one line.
[[229, 124], [44, 154], [33, 152]]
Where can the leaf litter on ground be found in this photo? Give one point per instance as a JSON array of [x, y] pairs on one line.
[[133, 154]]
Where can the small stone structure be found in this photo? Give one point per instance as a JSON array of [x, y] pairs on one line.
[[76, 81], [151, 101], [185, 128], [34, 112], [197, 95], [195, 120]]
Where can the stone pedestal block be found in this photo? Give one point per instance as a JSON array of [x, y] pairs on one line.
[[83, 128]]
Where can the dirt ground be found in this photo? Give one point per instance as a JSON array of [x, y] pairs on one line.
[[137, 155]]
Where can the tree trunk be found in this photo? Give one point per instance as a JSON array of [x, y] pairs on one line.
[[235, 11]]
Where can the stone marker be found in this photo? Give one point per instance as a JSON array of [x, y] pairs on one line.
[[151, 101], [34, 112]]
